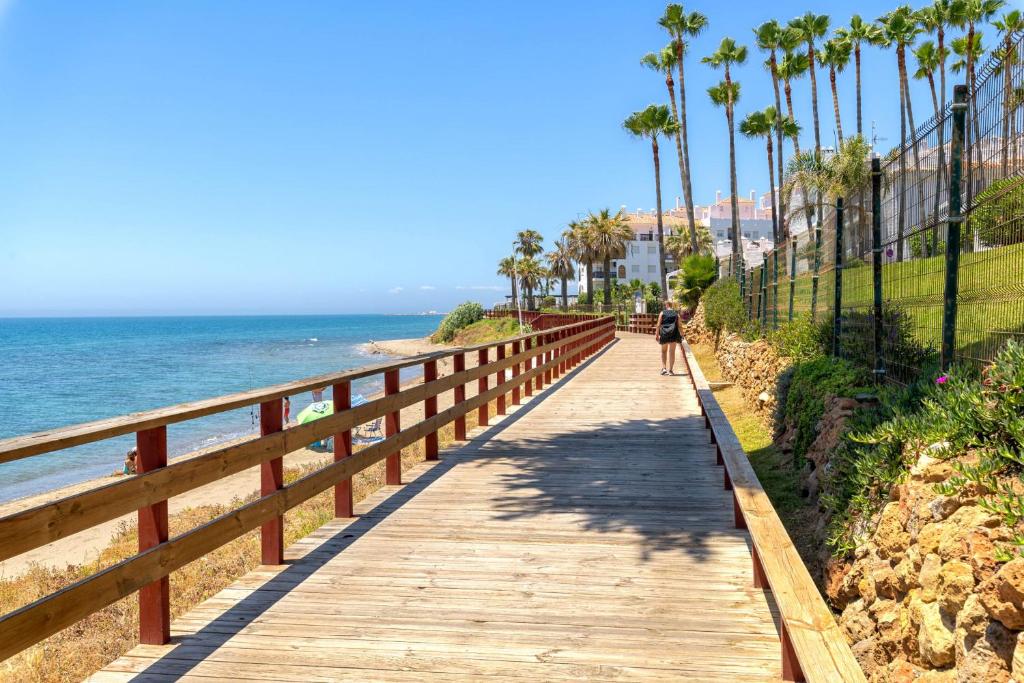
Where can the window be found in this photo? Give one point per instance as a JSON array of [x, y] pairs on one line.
[[721, 234], [650, 268], [622, 271], [651, 249], [635, 268]]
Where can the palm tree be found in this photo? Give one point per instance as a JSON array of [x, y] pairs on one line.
[[928, 61], [611, 234], [726, 94], [771, 37], [900, 28], [680, 247], [856, 33], [682, 26], [577, 236], [560, 266], [507, 268], [663, 62], [792, 66], [936, 18], [528, 244], [809, 28], [1008, 25], [835, 54], [761, 124], [531, 272], [654, 121]]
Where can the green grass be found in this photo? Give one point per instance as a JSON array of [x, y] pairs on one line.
[[488, 330], [990, 303]]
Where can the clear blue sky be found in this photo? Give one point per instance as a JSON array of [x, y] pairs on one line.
[[249, 157]]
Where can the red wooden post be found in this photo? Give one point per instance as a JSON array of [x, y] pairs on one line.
[[481, 387], [527, 366], [548, 356], [501, 380], [718, 455], [554, 354], [517, 348], [737, 513], [564, 365], [430, 410], [460, 397], [342, 392], [154, 598], [271, 480], [538, 361], [726, 481], [760, 578], [790, 664], [392, 425]]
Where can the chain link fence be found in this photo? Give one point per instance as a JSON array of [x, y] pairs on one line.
[[897, 296]]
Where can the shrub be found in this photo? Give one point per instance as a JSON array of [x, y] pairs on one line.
[[698, 273], [996, 217], [905, 357], [813, 382], [548, 302], [461, 316], [798, 339], [723, 307]]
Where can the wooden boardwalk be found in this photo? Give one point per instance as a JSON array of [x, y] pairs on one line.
[[585, 536]]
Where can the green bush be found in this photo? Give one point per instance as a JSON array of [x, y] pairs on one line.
[[811, 383], [798, 339], [723, 307], [998, 216], [906, 357], [461, 316], [548, 302], [698, 273]]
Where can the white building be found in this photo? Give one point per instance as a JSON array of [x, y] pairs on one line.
[[641, 260]]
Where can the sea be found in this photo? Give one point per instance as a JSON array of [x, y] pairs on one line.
[[63, 371]]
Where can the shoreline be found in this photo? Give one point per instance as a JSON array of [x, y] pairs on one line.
[[85, 546]]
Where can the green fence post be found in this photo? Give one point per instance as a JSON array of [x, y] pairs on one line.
[[775, 287], [763, 300], [953, 228], [792, 276], [876, 262], [837, 306], [817, 267]]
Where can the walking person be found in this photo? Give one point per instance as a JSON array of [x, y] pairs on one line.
[[287, 406], [668, 334]]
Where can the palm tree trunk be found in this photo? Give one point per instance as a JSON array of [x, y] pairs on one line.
[[607, 280], [679, 150], [808, 207], [814, 101], [565, 294], [661, 226], [781, 219], [737, 247], [939, 167], [835, 102], [901, 215], [856, 59], [687, 185], [771, 169], [590, 280], [515, 292], [902, 63]]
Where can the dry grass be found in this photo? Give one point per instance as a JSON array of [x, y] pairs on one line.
[[102, 637]]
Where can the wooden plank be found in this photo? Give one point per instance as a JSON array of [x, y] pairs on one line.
[[552, 546], [819, 646]]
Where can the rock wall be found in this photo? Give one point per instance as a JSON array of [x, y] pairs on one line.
[[753, 366], [925, 597]]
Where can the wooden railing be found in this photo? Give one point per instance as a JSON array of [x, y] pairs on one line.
[[522, 365], [541, 321], [813, 646], [639, 323]]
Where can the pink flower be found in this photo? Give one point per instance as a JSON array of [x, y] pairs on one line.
[[941, 379]]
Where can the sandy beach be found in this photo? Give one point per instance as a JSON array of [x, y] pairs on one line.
[[85, 546]]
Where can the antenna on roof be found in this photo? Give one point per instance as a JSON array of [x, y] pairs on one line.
[[874, 136]]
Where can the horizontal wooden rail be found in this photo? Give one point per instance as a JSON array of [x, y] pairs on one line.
[[540, 353], [813, 646]]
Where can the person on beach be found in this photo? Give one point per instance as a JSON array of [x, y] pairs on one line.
[[318, 395], [668, 334], [129, 462], [287, 409]]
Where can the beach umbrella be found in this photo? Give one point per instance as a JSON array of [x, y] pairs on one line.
[[314, 411]]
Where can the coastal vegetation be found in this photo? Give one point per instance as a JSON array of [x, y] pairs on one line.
[[462, 316]]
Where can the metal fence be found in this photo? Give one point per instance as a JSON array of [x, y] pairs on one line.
[[929, 268]]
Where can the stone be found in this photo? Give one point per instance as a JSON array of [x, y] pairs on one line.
[[890, 537], [838, 586], [907, 571], [901, 671], [956, 583], [990, 658], [929, 536], [1017, 663], [887, 583], [935, 637], [867, 655], [895, 638], [764, 397], [1003, 595], [928, 579], [971, 623], [866, 588], [947, 676], [942, 507], [856, 622], [981, 550], [930, 469]]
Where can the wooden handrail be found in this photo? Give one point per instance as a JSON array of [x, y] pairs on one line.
[[813, 646], [541, 353]]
